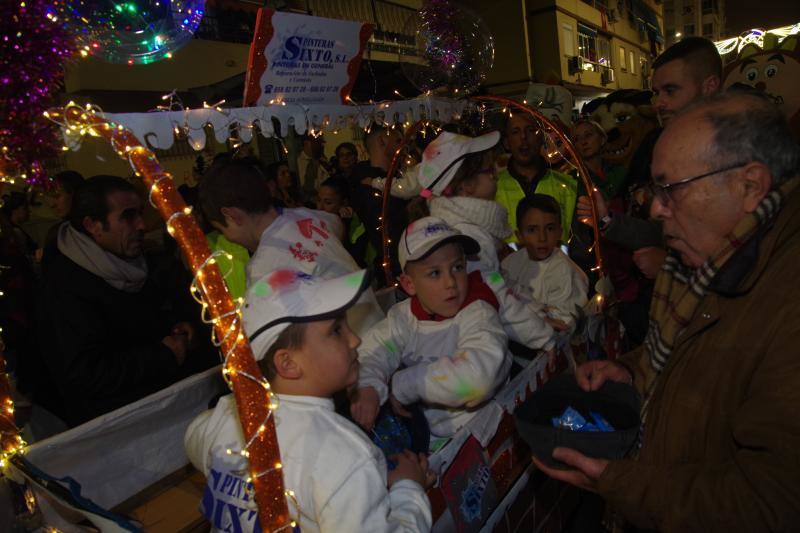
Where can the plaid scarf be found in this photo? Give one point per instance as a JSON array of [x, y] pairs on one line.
[[679, 290]]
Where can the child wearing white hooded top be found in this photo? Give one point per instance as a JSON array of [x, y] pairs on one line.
[[300, 336]]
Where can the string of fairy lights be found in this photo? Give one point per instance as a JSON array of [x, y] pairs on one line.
[[11, 442]]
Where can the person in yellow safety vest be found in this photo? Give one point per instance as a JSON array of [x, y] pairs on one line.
[[527, 173], [232, 268]]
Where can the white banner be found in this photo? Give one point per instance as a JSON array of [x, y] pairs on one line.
[[303, 59]]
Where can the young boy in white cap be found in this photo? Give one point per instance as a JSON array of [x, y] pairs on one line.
[[299, 334], [447, 335]]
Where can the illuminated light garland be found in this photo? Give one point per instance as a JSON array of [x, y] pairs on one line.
[[254, 401], [754, 36], [387, 187], [11, 442]]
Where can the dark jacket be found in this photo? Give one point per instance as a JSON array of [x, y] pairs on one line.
[[722, 441], [101, 347]]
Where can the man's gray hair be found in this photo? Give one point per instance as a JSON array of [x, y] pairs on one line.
[[749, 127]]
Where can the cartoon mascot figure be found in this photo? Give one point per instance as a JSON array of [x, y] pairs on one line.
[[773, 70]]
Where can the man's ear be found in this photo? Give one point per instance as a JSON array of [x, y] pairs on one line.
[[92, 227], [407, 284], [710, 85], [233, 215], [286, 365], [757, 182]]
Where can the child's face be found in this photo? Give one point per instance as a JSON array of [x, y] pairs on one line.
[[439, 281], [329, 201], [328, 358], [539, 232]]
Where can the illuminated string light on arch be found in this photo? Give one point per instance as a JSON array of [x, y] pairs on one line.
[[754, 36]]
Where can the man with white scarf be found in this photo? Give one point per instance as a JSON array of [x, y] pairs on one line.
[[105, 342]]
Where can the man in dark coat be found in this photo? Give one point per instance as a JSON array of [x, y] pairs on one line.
[[104, 339], [718, 372]]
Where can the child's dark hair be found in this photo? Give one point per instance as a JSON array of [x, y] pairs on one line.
[[234, 183], [339, 185], [290, 338], [542, 202]]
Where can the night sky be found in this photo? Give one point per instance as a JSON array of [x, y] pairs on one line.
[[746, 14]]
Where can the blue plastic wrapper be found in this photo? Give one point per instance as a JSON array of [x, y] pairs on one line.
[[572, 420]]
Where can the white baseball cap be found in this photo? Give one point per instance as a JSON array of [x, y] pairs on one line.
[[444, 155], [285, 297], [423, 235]]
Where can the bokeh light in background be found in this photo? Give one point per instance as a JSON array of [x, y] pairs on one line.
[[455, 48], [133, 32]]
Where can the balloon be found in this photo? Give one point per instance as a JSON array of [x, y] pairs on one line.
[[133, 31], [455, 49]]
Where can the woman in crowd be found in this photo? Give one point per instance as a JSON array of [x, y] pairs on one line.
[[288, 186]]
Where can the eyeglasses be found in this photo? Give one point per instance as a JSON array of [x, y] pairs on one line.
[[662, 192]]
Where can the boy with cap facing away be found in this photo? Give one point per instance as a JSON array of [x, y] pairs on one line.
[[299, 334], [236, 201], [447, 335]]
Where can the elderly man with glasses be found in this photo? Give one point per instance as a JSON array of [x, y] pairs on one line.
[[719, 372]]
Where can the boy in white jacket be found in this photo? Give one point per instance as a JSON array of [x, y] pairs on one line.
[[448, 335], [235, 200], [540, 270], [299, 334]]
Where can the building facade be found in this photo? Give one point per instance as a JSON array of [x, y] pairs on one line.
[[595, 46], [686, 18]]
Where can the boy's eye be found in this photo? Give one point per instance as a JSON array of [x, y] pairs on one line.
[[433, 274], [458, 267]]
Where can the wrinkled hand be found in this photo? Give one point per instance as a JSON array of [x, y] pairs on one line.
[[346, 212], [179, 344], [364, 407], [584, 208], [398, 408], [411, 466], [650, 260], [586, 469], [591, 376]]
